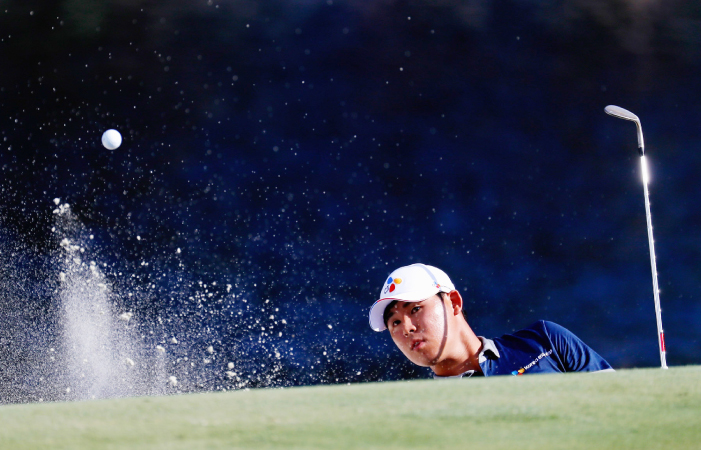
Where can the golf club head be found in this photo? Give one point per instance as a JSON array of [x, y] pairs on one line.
[[622, 113]]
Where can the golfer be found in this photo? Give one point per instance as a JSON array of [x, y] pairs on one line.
[[423, 312]]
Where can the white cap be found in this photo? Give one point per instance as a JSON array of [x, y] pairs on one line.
[[412, 283]]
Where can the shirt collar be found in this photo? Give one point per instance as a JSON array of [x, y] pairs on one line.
[[488, 347]]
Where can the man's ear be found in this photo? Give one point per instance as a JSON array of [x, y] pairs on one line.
[[456, 301]]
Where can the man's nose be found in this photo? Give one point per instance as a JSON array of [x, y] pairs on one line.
[[409, 326]]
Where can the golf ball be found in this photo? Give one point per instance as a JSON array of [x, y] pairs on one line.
[[111, 139]]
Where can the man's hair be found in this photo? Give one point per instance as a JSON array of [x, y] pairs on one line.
[[387, 312]]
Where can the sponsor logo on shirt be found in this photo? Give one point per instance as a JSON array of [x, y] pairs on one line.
[[523, 369]]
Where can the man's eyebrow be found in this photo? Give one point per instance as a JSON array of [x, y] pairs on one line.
[[404, 306]]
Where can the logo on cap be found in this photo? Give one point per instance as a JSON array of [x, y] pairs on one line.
[[391, 284]]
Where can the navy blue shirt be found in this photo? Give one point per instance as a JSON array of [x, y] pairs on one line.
[[544, 347]]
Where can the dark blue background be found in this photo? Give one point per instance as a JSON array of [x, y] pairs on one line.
[[300, 151]]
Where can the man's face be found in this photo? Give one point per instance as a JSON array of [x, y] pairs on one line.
[[419, 329]]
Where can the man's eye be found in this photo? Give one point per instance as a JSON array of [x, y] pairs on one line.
[[415, 309], [395, 323]]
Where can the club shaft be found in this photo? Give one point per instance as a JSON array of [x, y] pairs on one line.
[[653, 264]]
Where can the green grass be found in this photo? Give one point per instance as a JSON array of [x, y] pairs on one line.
[[629, 409]]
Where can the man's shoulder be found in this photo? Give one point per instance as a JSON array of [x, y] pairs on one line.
[[544, 346], [526, 350], [531, 337], [536, 336]]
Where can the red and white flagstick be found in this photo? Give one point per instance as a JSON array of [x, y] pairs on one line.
[[653, 263]]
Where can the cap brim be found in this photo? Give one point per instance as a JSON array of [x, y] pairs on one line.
[[377, 311]]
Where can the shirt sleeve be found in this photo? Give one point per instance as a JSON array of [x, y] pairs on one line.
[[576, 356]]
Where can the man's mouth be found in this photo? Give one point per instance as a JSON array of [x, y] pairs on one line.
[[416, 344]]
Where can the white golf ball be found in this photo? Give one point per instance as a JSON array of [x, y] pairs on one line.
[[111, 139]]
